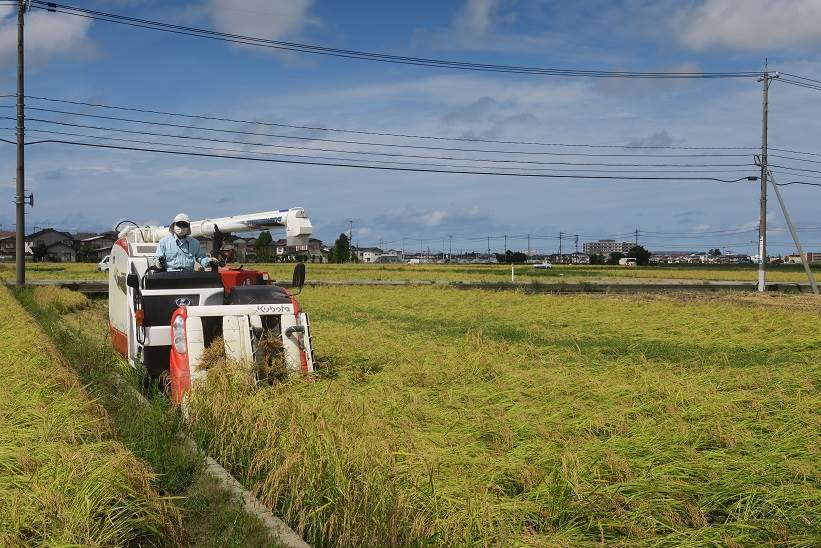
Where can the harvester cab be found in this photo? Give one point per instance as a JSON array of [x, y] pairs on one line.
[[162, 322]]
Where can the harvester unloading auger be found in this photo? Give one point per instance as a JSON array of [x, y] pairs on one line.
[[162, 321]]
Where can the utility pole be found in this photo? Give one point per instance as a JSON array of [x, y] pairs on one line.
[[450, 248], [403, 248], [528, 246], [762, 223], [488, 245], [350, 240], [20, 197], [576, 241], [637, 236], [561, 235]]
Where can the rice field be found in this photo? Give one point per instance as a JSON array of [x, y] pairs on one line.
[[64, 480], [458, 272], [480, 418], [448, 417]]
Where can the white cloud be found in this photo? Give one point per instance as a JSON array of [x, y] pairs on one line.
[[476, 16], [48, 36], [751, 25], [260, 18]]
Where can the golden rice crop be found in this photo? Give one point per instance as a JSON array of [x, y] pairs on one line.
[[468, 417], [63, 480], [61, 299]]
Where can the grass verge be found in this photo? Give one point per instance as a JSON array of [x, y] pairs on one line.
[[210, 517]]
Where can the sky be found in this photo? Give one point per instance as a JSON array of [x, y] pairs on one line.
[[81, 188]]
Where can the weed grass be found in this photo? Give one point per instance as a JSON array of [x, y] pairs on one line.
[[64, 480], [469, 417]]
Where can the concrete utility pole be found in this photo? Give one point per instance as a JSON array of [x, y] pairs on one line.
[[576, 242], [20, 197], [561, 235], [528, 246], [762, 223], [450, 246], [637, 236], [488, 245], [350, 240]]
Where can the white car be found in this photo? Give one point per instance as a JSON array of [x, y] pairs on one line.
[[102, 266], [543, 266]]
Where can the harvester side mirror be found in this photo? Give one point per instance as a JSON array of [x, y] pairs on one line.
[[132, 281], [299, 276]]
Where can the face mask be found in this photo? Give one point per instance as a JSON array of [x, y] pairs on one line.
[[182, 232]]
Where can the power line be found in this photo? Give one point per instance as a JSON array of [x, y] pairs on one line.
[[798, 183], [801, 77], [218, 149], [366, 143], [800, 84], [376, 133], [361, 152], [359, 166], [370, 56]]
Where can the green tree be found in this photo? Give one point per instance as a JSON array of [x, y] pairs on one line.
[[341, 251], [39, 251], [595, 258], [641, 255], [86, 254], [614, 258], [263, 246]]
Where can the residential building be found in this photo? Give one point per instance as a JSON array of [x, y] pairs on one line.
[[58, 245], [606, 247], [812, 257], [314, 252], [367, 254], [98, 245]]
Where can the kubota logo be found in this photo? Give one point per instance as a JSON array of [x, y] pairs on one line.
[[183, 301]]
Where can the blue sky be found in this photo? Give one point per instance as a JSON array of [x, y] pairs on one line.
[[79, 59]]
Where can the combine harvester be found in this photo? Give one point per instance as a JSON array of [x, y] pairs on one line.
[[163, 321]]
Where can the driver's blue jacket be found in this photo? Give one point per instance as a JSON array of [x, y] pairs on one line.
[[180, 253]]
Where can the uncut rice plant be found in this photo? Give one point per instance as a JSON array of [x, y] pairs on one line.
[[63, 480], [467, 417], [61, 299]]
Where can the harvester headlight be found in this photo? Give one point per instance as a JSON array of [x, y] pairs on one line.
[[179, 335]]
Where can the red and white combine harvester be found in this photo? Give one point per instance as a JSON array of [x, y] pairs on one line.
[[162, 321]]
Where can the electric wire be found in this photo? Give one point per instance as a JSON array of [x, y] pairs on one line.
[[367, 143], [219, 149], [800, 77], [369, 56], [375, 133], [361, 152], [388, 168]]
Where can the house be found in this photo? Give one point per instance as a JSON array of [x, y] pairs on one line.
[[314, 252], [96, 245], [367, 254], [7, 242], [57, 245]]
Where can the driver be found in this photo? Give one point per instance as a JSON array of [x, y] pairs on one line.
[[179, 251]]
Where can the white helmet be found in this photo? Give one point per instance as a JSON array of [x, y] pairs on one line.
[[181, 231], [182, 217]]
